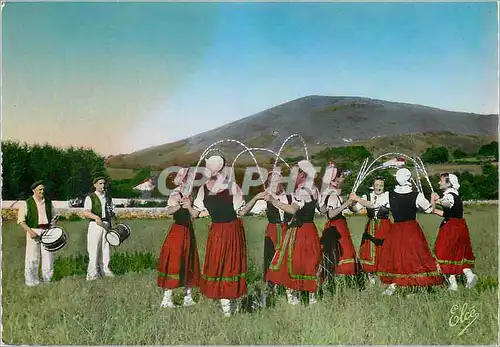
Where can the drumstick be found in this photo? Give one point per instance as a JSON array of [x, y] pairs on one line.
[[54, 220]]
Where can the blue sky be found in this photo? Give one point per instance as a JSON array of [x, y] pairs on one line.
[[120, 77]]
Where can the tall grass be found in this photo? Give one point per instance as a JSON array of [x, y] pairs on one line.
[[125, 309]]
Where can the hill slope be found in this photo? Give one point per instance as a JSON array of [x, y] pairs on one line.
[[327, 121]]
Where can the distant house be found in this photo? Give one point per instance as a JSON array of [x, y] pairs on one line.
[[399, 162], [146, 187]]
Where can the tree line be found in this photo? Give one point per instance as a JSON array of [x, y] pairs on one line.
[[472, 187], [69, 172], [441, 154]]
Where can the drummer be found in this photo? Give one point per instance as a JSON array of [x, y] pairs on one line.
[[97, 246], [33, 217]]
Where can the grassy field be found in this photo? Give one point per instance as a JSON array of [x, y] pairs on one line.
[[125, 309]]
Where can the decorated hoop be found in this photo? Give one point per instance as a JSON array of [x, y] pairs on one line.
[[366, 170], [255, 149], [207, 150], [283, 145]]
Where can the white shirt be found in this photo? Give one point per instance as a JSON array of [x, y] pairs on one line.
[[174, 198], [447, 200], [334, 199], [281, 198], [421, 202], [378, 200], [238, 201], [87, 205], [22, 213], [302, 195]]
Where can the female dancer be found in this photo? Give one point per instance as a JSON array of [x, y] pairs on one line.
[[453, 247], [225, 266], [377, 226], [336, 232], [297, 260], [179, 264], [406, 259]]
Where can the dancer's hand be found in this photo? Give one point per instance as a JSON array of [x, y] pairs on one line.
[[185, 203], [434, 197], [266, 196], [353, 197], [260, 195]]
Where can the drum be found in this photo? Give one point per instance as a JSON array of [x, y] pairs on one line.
[[120, 233], [54, 239]]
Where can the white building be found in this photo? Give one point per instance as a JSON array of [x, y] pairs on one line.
[[398, 162], [146, 187]]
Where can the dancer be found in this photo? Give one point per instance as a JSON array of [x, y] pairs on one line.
[[225, 266], [406, 259], [453, 249], [377, 226], [97, 211], [277, 224], [297, 260], [338, 248], [277, 218], [34, 216], [179, 264]]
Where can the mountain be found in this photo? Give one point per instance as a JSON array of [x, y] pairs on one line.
[[328, 121]]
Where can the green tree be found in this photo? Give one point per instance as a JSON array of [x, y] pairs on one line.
[[67, 172], [489, 150], [436, 155], [459, 154]]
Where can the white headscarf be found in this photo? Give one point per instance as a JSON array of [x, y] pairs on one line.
[[307, 167], [403, 177], [181, 175], [274, 176], [454, 181], [214, 164]]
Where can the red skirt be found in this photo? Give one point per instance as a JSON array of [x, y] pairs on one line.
[[275, 234], [348, 264], [179, 264], [296, 262], [369, 252], [225, 267], [406, 259], [453, 248]]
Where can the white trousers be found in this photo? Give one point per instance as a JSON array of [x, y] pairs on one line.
[[98, 250], [32, 261]]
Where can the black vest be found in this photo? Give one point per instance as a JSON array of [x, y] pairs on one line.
[[182, 216], [305, 214], [403, 206], [340, 215], [383, 212], [457, 210], [273, 214], [219, 206]]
